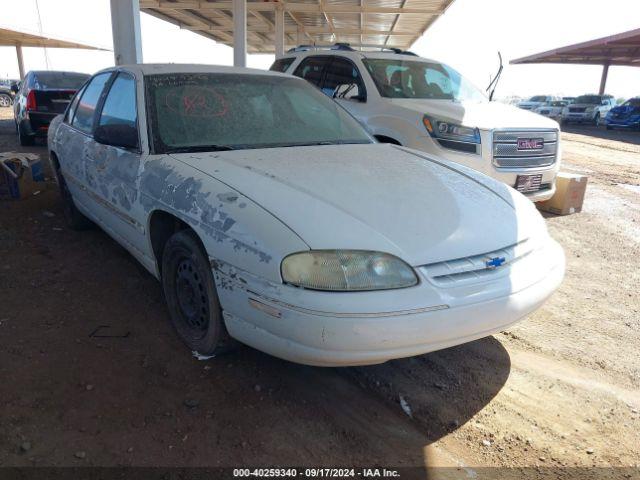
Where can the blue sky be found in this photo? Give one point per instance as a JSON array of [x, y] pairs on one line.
[[466, 37]]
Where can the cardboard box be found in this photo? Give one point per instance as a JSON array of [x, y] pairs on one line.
[[570, 190], [20, 175]]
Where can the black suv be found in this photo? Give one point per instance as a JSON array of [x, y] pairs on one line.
[[41, 96]]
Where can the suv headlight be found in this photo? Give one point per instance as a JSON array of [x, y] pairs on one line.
[[347, 270], [443, 129]]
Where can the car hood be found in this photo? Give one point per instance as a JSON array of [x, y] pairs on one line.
[[483, 115], [377, 197], [625, 110]]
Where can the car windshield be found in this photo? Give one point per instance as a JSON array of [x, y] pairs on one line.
[[538, 98], [399, 78], [633, 102], [559, 103], [215, 111], [58, 80], [589, 100]]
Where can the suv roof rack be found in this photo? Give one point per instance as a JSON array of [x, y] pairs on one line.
[[347, 47], [335, 46]]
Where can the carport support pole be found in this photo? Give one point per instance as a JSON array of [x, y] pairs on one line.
[[279, 13], [125, 25], [20, 61], [239, 33], [603, 79]]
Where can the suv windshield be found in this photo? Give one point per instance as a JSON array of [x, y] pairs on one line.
[[58, 80], [214, 111], [589, 99], [633, 102], [399, 78], [538, 98]]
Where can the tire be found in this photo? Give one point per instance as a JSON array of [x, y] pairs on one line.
[[24, 140], [596, 120], [191, 296], [5, 100], [75, 219]]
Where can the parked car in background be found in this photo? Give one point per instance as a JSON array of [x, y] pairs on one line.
[[569, 100], [6, 96], [536, 101], [425, 104], [588, 109], [41, 96], [552, 109], [626, 115], [272, 217]]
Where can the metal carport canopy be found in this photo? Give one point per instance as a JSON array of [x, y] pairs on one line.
[[622, 49], [272, 26], [18, 39]]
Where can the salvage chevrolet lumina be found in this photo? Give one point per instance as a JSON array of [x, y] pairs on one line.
[[272, 218]]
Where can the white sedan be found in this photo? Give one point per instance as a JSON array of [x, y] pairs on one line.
[[272, 218]]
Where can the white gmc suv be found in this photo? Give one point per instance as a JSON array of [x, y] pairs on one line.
[[426, 105]]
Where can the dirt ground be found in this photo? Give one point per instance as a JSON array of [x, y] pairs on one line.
[[558, 391]]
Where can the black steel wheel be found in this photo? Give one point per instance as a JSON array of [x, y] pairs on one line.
[[191, 295]]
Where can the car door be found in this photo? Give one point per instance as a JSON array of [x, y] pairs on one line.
[[112, 171], [73, 140], [342, 74]]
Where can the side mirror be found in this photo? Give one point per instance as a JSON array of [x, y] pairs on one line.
[[349, 91], [124, 136]]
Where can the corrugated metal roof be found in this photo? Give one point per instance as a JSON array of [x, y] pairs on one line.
[[368, 23], [10, 38], [621, 49]]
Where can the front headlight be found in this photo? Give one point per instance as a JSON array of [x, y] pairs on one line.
[[347, 270], [443, 129]]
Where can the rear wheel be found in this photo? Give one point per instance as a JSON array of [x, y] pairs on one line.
[[75, 219], [24, 140], [191, 295]]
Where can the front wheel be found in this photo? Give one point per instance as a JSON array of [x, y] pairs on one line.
[[596, 120], [191, 295]]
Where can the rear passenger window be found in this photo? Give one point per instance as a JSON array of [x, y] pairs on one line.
[[73, 106], [86, 109], [281, 65], [311, 69], [120, 105]]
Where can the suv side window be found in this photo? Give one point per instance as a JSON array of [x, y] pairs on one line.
[[342, 72], [120, 106], [282, 64], [85, 111], [311, 69]]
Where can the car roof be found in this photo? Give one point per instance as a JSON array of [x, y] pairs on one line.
[[163, 68]]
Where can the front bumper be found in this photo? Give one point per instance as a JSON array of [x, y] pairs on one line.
[[579, 117], [483, 163], [342, 329]]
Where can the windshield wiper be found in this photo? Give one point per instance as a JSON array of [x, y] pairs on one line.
[[199, 148]]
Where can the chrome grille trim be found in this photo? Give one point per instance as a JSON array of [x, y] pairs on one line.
[[505, 151], [473, 269]]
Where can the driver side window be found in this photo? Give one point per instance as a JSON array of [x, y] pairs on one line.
[[342, 72]]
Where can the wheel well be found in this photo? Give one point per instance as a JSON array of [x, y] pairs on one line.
[[385, 139], [162, 226], [54, 160]]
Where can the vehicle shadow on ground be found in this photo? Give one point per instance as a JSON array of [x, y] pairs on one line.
[[626, 136]]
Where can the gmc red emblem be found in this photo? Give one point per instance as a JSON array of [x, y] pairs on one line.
[[530, 143]]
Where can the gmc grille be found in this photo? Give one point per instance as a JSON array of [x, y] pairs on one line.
[[506, 153]]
